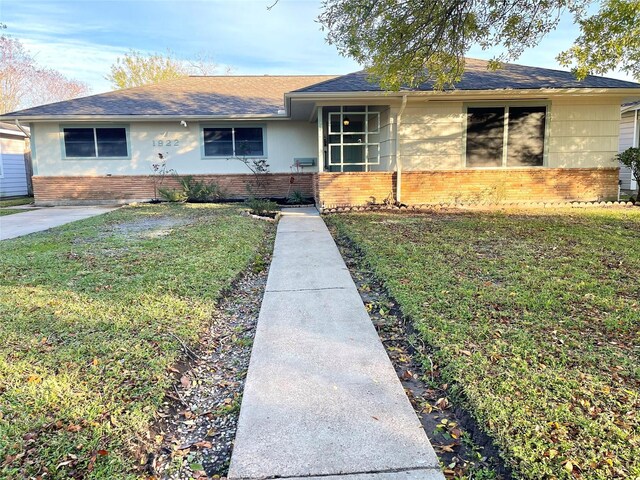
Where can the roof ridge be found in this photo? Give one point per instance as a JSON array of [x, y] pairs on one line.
[[265, 75]]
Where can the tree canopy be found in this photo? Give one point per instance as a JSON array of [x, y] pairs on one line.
[[136, 68], [23, 83], [408, 42]]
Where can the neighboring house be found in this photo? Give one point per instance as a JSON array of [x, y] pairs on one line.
[[516, 134], [15, 168], [629, 137]]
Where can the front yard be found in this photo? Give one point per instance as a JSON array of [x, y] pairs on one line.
[[92, 316], [13, 203], [534, 323]]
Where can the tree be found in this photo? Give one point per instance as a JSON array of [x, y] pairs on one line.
[[136, 69], [408, 42], [24, 84], [631, 159]]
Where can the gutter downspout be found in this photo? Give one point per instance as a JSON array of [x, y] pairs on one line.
[[397, 151], [636, 141], [17, 122]]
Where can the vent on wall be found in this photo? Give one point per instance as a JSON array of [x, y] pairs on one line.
[[305, 162]]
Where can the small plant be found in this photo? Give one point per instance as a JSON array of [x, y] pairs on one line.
[[196, 191], [631, 159], [260, 170], [296, 198], [261, 207], [160, 171], [172, 195]]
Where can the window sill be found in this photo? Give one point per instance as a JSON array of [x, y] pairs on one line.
[[72, 159]]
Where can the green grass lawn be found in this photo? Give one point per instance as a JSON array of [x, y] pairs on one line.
[[88, 314], [535, 322], [12, 203], [4, 212]]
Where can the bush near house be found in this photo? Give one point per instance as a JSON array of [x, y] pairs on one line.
[[535, 323], [91, 317]]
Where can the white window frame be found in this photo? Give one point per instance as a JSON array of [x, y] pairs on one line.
[[341, 114], [506, 105], [203, 127], [95, 141]]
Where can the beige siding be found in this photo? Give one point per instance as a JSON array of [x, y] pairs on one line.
[[284, 141], [583, 132], [627, 131], [431, 136], [386, 142]]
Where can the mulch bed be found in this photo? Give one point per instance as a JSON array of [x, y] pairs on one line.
[[197, 423]]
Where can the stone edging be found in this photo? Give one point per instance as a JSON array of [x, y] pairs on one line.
[[471, 206]]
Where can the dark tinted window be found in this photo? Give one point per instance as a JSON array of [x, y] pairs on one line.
[[485, 136], [525, 142], [218, 142], [79, 142], [112, 142], [249, 142]]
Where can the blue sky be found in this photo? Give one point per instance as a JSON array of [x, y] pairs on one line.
[[82, 38]]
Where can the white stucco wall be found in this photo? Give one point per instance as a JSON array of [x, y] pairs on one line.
[[582, 132], [284, 141]]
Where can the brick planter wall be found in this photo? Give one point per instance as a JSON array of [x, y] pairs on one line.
[[128, 188], [470, 186]]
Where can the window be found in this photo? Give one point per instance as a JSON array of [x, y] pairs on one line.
[[511, 136], [233, 141], [109, 142], [354, 139]]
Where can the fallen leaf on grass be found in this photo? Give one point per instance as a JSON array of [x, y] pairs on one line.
[[442, 403]]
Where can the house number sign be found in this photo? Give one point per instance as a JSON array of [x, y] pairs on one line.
[[166, 143]]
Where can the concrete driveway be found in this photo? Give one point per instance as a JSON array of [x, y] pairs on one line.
[[16, 225]]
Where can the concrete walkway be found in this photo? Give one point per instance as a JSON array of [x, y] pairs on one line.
[[322, 399], [19, 224]]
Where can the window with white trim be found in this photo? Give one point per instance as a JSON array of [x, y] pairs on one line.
[[98, 142], [353, 142], [509, 136], [233, 141]]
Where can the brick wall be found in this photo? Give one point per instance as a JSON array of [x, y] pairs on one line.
[[127, 188], [361, 188], [470, 186], [355, 188]]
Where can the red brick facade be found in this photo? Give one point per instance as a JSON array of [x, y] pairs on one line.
[[469, 186], [339, 189], [127, 188]]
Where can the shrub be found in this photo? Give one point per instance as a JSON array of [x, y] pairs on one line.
[[259, 206], [172, 195], [197, 191], [296, 198], [631, 158]]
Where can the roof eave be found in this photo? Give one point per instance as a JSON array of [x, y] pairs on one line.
[[140, 118], [469, 93]]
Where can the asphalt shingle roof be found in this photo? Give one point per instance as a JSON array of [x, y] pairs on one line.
[[197, 96], [477, 77], [264, 95]]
